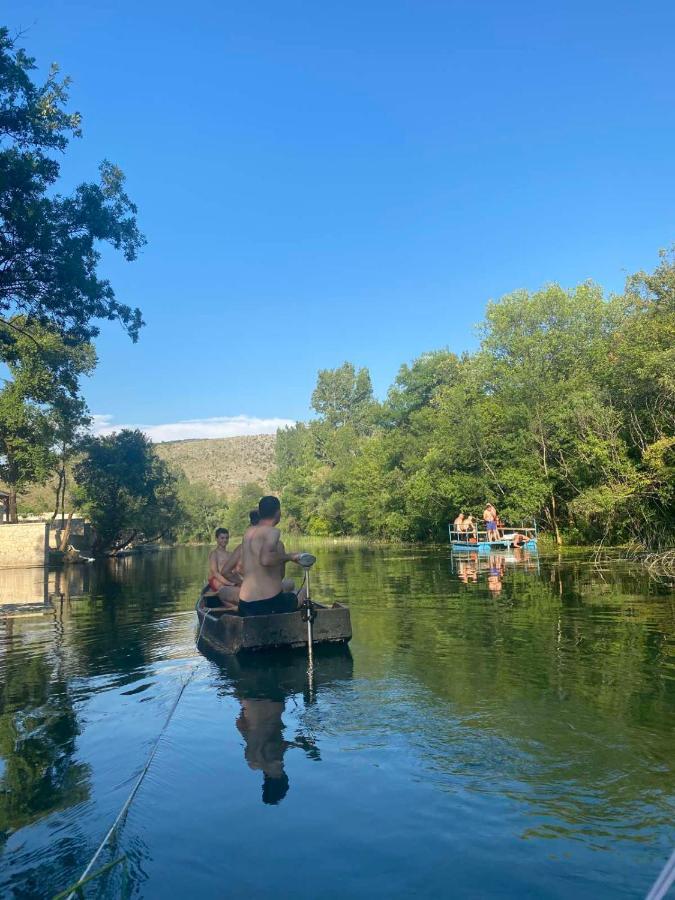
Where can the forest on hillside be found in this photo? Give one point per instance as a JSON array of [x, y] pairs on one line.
[[565, 414]]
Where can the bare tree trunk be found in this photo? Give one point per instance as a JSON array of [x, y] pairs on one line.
[[554, 519], [63, 500], [124, 544], [554, 514], [65, 534], [58, 495], [13, 514]]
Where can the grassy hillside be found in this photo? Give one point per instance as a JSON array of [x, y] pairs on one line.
[[223, 464]]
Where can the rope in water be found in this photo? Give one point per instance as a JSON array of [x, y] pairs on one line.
[[665, 880], [134, 790], [85, 876]]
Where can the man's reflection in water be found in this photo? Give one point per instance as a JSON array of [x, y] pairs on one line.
[[263, 682], [467, 568], [261, 726], [495, 573]]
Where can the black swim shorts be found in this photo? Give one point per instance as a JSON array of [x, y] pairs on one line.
[[284, 602]]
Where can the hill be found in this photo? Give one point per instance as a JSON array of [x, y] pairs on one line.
[[223, 464]]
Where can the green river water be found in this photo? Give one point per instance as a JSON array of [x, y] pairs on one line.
[[502, 728]]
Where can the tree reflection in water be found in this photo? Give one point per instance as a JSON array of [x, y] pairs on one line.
[[38, 731]]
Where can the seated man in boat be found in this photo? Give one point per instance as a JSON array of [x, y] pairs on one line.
[[458, 526], [263, 559], [227, 588]]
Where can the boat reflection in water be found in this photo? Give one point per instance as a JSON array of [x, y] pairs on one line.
[[263, 682], [472, 566]]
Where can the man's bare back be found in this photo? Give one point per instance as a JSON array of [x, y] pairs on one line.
[[263, 559]]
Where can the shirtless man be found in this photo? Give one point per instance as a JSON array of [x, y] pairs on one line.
[[458, 524], [263, 559], [227, 588], [469, 526], [490, 519]]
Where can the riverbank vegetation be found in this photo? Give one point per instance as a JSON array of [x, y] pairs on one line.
[[126, 491], [565, 413], [51, 292]]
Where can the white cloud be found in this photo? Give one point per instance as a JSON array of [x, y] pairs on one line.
[[217, 427]]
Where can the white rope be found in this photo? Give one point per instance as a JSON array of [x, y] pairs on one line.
[[199, 636], [665, 880], [134, 790]]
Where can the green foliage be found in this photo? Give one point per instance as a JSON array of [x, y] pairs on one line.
[[203, 511], [48, 242], [41, 413], [415, 386], [246, 500], [565, 413], [344, 396], [128, 493], [50, 291]]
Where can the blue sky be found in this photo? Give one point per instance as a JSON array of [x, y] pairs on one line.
[[321, 182]]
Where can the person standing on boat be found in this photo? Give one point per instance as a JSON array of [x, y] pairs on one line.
[[227, 588], [490, 519], [263, 559]]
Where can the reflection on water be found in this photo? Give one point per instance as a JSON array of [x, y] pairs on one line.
[[263, 683], [470, 565], [20, 588], [504, 725]]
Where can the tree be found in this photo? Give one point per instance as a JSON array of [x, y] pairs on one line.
[[246, 500], [49, 242], [50, 291], [416, 385], [565, 413], [543, 354], [70, 417], [39, 403], [128, 493], [203, 511], [344, 396]]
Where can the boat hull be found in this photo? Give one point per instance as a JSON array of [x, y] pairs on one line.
[[230, 633], [487, 546]]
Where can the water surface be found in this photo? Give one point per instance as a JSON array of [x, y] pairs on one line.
[[503, 727]]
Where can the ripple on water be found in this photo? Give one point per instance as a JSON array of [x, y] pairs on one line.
[[510, 738]]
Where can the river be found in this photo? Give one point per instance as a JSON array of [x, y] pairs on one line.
[[502, 728]]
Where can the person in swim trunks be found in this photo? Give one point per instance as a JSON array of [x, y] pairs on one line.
[[227, 588], [490, 519], [263, 559]]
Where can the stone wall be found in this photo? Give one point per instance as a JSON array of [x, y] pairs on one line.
[[81, 537], [24, 545]]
